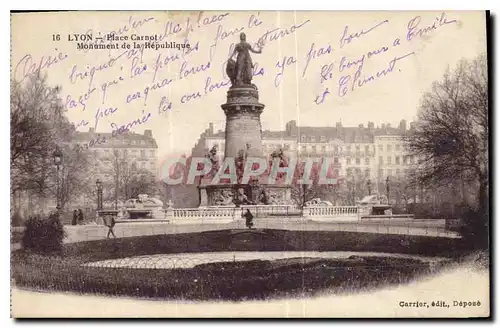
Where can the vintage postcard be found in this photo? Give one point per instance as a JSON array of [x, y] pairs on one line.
[[268, 164]]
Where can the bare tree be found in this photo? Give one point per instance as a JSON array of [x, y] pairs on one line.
[[76, 178], [451, 135], [37, 126], [128, 179]]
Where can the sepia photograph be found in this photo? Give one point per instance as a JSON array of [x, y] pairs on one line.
[[250, 164]]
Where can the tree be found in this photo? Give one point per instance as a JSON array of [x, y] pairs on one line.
[[451, 135], [37, 126], [128, 179], [76, 178], [451, 142]]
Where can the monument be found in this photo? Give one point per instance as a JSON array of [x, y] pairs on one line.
[[243, 138]]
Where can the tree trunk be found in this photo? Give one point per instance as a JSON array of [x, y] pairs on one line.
[[483, 201]]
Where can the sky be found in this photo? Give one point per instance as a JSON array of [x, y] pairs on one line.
[[317, 68]]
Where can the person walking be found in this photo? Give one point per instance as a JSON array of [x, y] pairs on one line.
[[80, 216], [111, 225], [75, 217], [249, 219]]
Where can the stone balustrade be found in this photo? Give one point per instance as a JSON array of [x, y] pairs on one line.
[[201, 215], [267, 211], [331, 213]]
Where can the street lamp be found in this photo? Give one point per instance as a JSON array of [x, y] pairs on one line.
[[387, 188], [99, 194], [353, 191], [58, 158], [369, 185]]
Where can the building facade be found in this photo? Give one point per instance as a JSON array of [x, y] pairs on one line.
[[116, 159]]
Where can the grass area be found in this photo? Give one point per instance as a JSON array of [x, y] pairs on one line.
[[232, 281]]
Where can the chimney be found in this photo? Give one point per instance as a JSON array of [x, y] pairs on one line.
[[388, 126], [148, 133], [210, 128], [291, 128], [91, 130], [371, 125], [402, 125], [383, 126], [361, 126], [338, 125]]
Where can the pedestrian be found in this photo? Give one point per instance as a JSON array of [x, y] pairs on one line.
[[249, 219], [75, 217], [80, 216], [111, 225]]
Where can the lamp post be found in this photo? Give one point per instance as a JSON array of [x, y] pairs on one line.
[[387, 188], [353, 191], [99, 194], [369, 185], [58, 157]]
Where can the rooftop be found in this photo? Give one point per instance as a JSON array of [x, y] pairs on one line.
[[123, 140]]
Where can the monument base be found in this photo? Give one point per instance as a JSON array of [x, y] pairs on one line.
[[226, 195]]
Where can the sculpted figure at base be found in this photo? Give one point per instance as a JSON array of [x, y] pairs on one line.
[[240, 72]]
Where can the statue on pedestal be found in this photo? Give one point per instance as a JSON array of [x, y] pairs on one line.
[[240, 72]]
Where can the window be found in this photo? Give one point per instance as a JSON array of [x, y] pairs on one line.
[[143, 153], [389, 160], [286, 146], [314, 148], [389, 148], [367, 173], [397, 160], [367, 160], [303, 149], [380, 147], [398, 172], [303, 138], [367, 149], [313, 138], [398, 147], [336, 148], [358, 160], [323, 139], [323, 149], [389, 172], [405, 160], [381, 173], [134, 166], [336, 173], [348, 147], [143, 165], [335, 160], [410, 159], [348, 161], [357, 147], [153, 153], [380, 160]]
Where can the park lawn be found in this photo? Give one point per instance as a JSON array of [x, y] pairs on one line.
[[232, 281]]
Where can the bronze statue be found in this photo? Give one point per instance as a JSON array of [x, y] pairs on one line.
[[240, 72]]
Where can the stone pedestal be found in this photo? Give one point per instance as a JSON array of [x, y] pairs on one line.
[[243, 128], [243, 138]]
